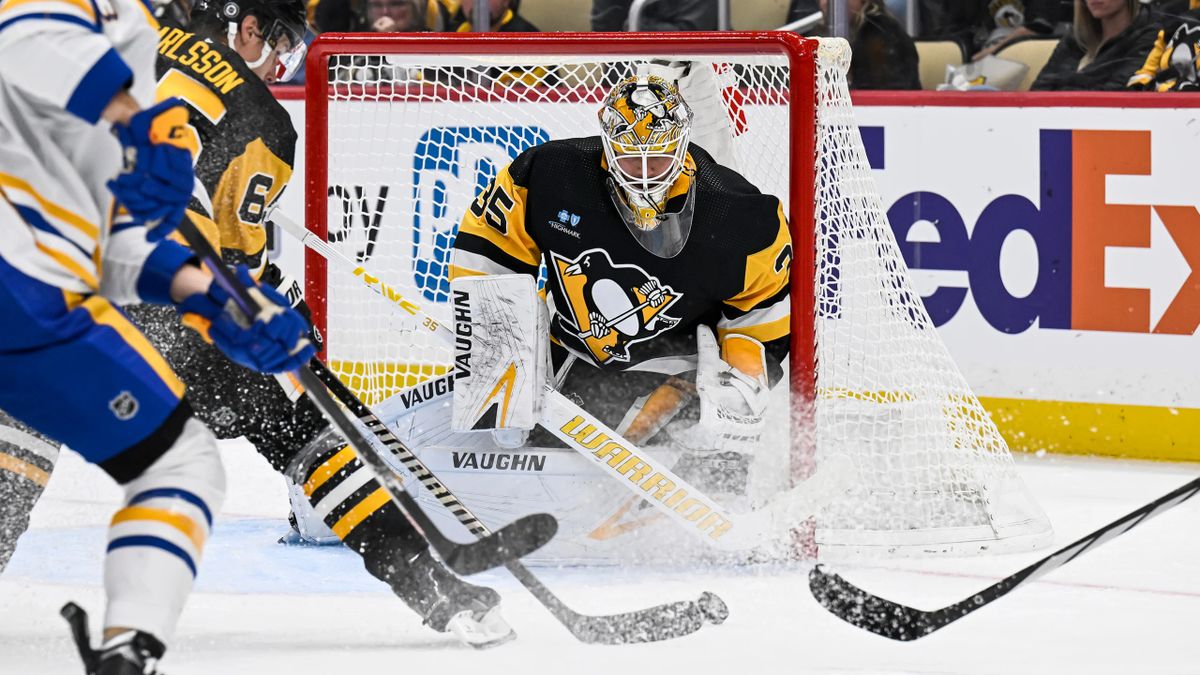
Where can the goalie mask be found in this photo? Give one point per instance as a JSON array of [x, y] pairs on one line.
[[645, 125]]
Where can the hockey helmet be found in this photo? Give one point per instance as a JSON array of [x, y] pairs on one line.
[[645, 124], [283, 24]]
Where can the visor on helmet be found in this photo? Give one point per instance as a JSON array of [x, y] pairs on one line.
[[289, 46], [671, 230], [285, 41]]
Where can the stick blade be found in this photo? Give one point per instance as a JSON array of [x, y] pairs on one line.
[[869, 612], [515, 540], [655, 624]]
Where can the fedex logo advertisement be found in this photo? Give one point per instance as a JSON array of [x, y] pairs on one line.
[[1072, 226], [1057, 249]]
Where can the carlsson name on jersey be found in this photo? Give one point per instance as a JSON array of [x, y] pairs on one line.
[[462, 334], [500, 461], [625, 463]]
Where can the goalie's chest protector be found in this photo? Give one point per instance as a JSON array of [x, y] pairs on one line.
[[603, 282]]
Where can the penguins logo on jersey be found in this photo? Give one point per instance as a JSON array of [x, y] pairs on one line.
[[611, 306]]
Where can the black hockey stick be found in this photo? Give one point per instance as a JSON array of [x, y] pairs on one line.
[[663, 622], [509, 543], [77, 619], [899, 622]]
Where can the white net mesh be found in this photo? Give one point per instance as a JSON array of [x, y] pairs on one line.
[[935, 476], [412, 139]]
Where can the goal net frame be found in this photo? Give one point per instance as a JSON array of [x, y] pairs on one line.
[[803, 167]]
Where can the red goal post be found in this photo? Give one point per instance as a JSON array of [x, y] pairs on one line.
[[800, 102]]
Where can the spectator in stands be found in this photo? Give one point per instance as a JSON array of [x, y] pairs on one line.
[[658, 15], [1110, 40], [884, 55], [980, 26], [503, 13], [1009, 21], [1175, 57], [360, 16], [394, 16]]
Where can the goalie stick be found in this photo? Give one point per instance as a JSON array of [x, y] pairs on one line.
[[668, 493], [512, 541], [900, 622], [663, 622]]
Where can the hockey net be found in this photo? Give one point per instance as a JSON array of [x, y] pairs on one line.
[[403, 132]]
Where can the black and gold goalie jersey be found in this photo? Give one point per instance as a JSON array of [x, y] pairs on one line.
[[241, 137], [613, 302]]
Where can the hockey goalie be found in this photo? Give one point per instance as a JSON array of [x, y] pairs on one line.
[[664, 313]]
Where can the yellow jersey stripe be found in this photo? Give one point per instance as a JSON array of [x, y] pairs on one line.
[[190, 528], [515, 241], [66, 215], [457, 272], [81, 5], [763, 332], [370, 504], [766, 272], [105, 314], [328, 469], [73, 267], [23, 469], [178, 83]]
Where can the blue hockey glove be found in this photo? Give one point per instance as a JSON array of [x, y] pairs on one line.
[[156, 185], [274, 343]]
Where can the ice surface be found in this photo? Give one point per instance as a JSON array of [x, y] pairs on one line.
[[261, 608]]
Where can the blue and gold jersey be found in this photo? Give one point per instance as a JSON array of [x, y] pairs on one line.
[[61, 63]]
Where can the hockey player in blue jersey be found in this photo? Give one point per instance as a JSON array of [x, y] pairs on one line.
[[72, 73]]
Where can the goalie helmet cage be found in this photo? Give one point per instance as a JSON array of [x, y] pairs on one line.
[[403, 131]]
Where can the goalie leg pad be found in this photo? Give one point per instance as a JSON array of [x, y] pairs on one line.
[[501, 353]]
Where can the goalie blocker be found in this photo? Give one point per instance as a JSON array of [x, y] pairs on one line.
[[501, 356]]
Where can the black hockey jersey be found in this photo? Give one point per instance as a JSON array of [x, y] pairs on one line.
[[551, 206], [1174, 62], [242, 138]]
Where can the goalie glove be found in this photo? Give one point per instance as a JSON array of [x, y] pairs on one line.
[[733, 400]]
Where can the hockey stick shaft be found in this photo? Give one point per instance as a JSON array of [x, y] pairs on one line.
[[462, 559], [899, 622], [654, 624]]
